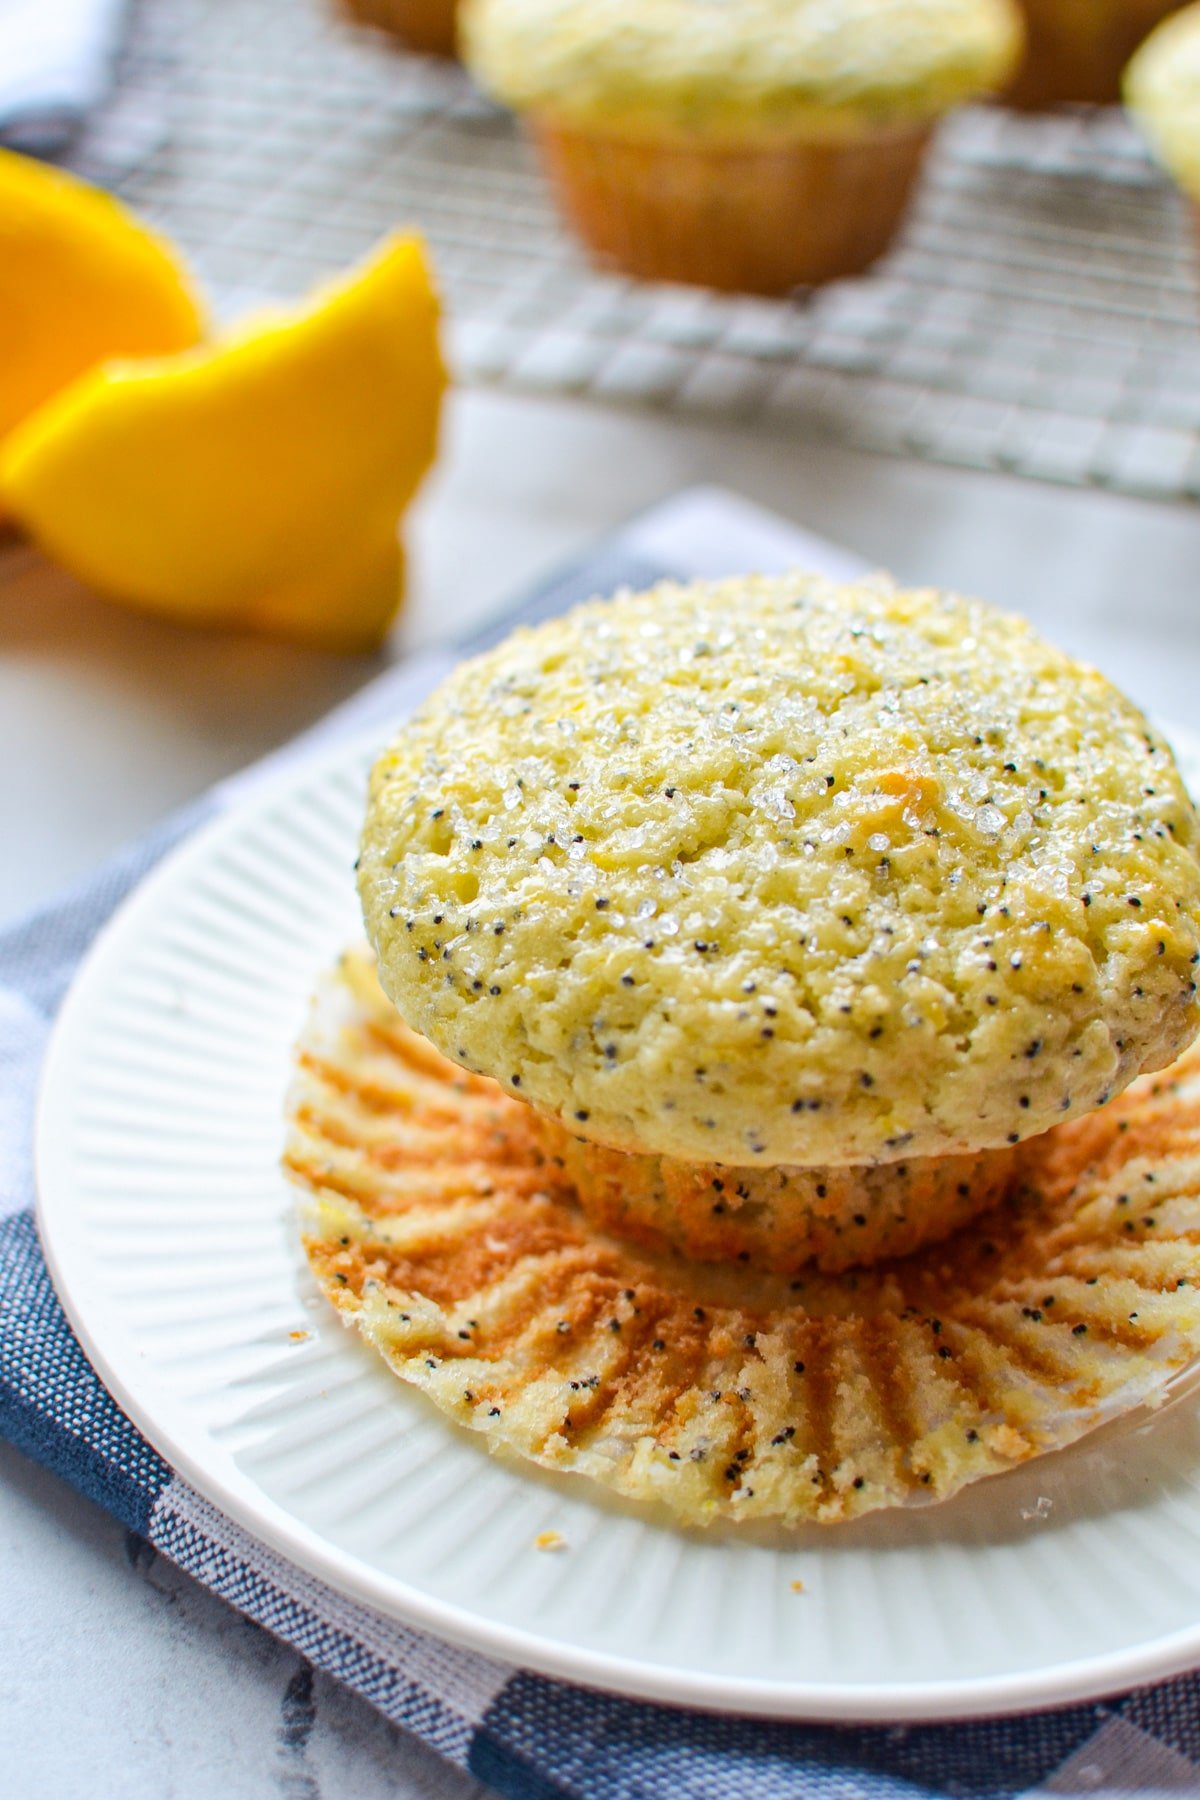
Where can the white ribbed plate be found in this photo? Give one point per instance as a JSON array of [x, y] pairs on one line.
[[169, 1232]]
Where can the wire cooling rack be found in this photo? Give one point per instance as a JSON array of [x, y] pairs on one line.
[[1039, 315]]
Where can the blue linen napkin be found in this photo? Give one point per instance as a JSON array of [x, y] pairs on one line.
[[523, 1734]]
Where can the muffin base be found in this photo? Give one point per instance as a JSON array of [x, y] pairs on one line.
[[781, 1219], [1077, 49], [436, 1227], [425, 25], [764, 219]]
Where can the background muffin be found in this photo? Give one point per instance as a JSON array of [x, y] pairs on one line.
[[781, 872], [1162, 88], [757, 146], [1077, 49], [428, 25]]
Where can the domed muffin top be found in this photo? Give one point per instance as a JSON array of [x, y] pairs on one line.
[[771, 67], [1162, 87], [777, 871]]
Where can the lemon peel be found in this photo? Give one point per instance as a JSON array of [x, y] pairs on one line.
[[257, 482], [81, 280]]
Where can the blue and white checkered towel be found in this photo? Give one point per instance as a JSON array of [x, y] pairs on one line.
[[521, 1733]]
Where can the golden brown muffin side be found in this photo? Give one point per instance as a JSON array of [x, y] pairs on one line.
[[781, 1218], [1077, 50], [430, 26], [760, 219]]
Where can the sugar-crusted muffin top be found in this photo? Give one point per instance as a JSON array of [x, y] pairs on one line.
[[770, 67], [1162, 88], [778, 871]]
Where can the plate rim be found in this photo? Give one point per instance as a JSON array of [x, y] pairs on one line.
[[267, 1521]]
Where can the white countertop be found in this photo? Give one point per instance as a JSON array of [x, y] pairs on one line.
[[121, 1677]]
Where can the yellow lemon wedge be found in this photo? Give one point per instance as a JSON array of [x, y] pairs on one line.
[[80, 280], [257, 482]]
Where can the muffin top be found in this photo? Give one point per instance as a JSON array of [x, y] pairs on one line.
[[1162, 89], [778, 871], [726, 67]]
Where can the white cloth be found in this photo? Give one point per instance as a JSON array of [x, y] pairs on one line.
[[56, 64]]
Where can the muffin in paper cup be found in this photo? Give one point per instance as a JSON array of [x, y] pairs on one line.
[[426, 25], [1077, 49], [752, 147], [774, 1096], [760, 219], [782, 873], [727, 1390], [1162, 92]]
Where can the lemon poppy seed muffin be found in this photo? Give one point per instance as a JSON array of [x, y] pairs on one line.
[[1076, 50], [782, 872], [1162, 89], [740, 144]]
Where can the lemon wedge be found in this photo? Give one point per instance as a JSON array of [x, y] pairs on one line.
[[80, 280], [257, 482]]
